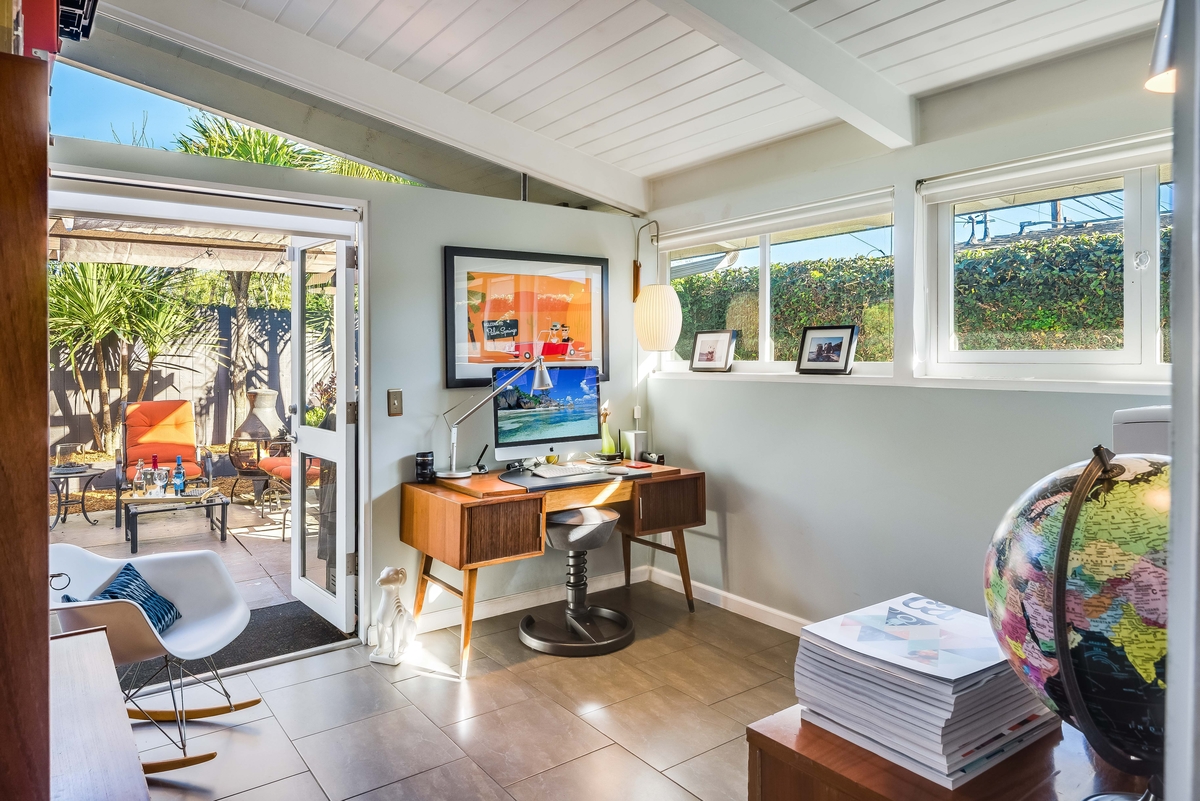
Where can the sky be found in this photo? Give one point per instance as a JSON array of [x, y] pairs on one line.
[[90, 106]]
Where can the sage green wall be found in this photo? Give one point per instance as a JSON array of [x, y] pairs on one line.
[[823, 498]]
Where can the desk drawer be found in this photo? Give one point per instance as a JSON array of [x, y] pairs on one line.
[[669, 503], [505, 530]]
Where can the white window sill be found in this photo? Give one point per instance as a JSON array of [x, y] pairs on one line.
[[880, 374]]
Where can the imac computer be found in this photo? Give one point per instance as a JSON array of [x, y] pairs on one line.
[[561, 420]]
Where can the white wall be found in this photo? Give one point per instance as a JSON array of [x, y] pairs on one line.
[[406, 230], [824, 497]]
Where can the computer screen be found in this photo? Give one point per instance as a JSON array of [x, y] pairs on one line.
[[567, 412]]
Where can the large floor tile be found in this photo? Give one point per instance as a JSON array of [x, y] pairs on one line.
[[583, 685], [311, 667], [664, 727], [718, 775], [148, 736], [248, 756], [362, 756], [610, 774], [261, 592], [521, 740], [761, 702], [662, 604], [781, 658], [331, 701], [447, 699], [707, 674], [301, 787], [434, 652], [733, 633], [652, 639], [457, 781], [506, 649], [482, 627]]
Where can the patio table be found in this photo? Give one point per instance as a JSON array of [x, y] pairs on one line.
[[138, 506], [61, 481]]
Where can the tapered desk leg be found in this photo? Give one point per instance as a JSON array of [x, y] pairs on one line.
[[422, 585], [468, 611], [625, 552], [684, 573]]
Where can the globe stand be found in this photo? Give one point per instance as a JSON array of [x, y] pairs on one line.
[[1099, 468]]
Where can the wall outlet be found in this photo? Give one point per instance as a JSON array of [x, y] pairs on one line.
[[395, 402]]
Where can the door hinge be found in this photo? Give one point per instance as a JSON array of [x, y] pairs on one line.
[[352, 412], [352, 258], [352, 564]]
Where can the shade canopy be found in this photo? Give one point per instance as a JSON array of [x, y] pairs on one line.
[[657, 317]]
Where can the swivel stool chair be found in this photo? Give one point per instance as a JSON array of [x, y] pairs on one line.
[[578, 531]]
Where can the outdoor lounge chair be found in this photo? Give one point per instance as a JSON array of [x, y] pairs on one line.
[[166, 428], [212, 611], [279, 486]]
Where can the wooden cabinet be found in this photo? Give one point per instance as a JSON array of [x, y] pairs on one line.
[[467, 532], [668, 503]]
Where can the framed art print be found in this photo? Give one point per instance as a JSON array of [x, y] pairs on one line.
[[712, 351], [827, 349], [506, 307]]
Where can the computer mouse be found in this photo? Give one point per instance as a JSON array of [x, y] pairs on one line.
[[618, 471]]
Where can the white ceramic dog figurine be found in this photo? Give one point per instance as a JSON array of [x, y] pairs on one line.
[[394, 625]]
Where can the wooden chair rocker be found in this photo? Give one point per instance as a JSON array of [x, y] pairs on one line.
[[212, 613]]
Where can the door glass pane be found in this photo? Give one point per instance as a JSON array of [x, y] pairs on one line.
[[318, 556], [836, 274], [718, 289], [1041, 270], [1166, 214], [320, 369]]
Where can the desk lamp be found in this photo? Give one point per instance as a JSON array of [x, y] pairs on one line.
[[541, 380]]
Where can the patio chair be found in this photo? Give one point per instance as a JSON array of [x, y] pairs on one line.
[[167, 428], [279, 486], [212, 611]]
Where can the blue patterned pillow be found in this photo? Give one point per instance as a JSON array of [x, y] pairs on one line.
[[128, 585]]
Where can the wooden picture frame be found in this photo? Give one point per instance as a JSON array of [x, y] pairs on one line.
[[827, 349], [506, 307], [713, 351]]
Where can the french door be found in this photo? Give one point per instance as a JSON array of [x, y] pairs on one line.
[[324, 414]]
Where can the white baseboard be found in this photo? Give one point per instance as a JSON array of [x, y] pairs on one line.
[[445, 618], [734, 603]]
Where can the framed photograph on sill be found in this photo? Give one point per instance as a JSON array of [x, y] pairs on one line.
[[713, 351], [506, 308], [827, 349]]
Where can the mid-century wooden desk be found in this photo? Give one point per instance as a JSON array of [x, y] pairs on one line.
[[806, 763], [469, 523]]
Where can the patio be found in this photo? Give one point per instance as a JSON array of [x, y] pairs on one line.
[[254, 553]]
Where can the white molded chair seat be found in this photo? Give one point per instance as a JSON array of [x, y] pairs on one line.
[[212, 611]]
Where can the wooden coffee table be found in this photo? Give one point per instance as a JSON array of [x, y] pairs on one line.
[[137, 506]]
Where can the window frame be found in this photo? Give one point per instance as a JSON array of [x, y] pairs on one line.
[[834, 210], [1138, 360]]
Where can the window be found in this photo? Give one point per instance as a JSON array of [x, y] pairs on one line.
[[1052, 279], [833, 274], [718, 288]]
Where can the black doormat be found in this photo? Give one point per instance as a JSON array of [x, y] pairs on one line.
[[272, 631]]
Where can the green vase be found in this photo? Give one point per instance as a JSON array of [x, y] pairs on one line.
[[607, 445]]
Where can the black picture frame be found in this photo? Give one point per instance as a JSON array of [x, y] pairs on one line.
[[450, 255], [717, 367], [845, 362]]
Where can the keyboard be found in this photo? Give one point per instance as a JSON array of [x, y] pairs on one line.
[[560, 470]]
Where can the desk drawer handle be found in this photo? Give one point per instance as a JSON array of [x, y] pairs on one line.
[[640, 514]]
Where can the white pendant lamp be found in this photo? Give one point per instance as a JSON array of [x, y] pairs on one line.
[[657, 317], [1162, 62]]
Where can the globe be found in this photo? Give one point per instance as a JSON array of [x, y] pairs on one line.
[[1116, 598]]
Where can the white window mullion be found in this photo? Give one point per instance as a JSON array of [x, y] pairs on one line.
[[1135, 257], [766, 347], [1149, 277]]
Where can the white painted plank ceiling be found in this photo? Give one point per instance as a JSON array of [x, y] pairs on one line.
[[624, 82]]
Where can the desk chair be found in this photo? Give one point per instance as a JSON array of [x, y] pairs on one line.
[[578, 531]]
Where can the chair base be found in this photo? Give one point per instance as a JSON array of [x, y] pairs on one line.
[[583, 637]]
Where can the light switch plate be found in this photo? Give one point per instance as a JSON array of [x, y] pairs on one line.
[[395, 402]]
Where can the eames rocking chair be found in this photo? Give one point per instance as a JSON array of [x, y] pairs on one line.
[[212, 615]]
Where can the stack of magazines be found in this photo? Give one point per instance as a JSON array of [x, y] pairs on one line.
[[921, 684]]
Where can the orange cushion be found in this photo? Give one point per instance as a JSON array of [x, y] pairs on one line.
[[166, 428], [281, 468], [190, 469], [269, 464]]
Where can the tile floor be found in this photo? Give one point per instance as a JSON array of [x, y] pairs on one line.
[[257, 558], [662, 719]]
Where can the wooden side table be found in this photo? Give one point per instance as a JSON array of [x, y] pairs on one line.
[[806, 763]]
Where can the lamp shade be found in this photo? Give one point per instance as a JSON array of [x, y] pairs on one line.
[[541, 377], [657, 317], [1162, 61]]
